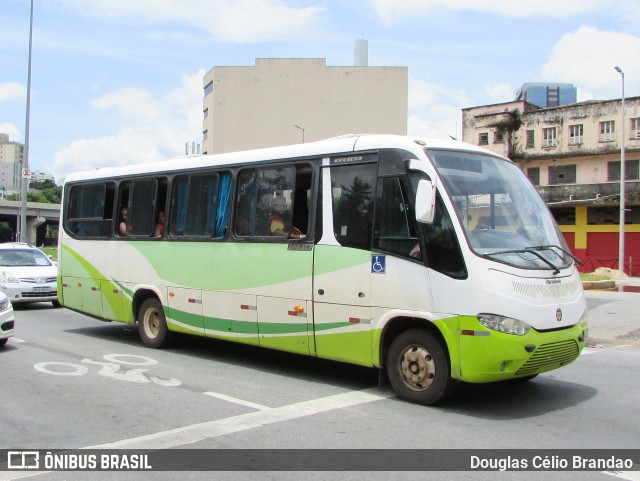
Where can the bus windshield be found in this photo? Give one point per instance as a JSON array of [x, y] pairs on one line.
[[503, 216]]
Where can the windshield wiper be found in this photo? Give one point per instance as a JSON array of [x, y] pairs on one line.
[[527, 250], [551, 247]]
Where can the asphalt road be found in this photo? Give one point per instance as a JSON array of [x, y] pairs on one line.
[[70, 382]]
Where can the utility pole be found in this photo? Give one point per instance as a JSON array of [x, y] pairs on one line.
[[26, 173]]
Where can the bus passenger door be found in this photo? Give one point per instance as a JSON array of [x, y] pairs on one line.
[[343, 262]]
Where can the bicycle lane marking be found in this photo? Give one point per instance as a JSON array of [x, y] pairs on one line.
[[110, 369]]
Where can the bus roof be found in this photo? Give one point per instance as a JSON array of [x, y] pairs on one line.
[[337, 145]]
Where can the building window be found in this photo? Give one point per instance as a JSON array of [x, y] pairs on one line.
[[208, 88], [498, 138], [630, 170], [607, 131], [562, 174], [635, 128], [553, 96], [549, 137], [534, 175], [205, 113], [575, 134], [565, 215], [483, 139], [530, 139]]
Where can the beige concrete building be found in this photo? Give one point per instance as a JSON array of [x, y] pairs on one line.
[[11, 158], [572, 155], [287, 101]]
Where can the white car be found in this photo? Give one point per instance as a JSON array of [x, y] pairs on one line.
[[27, 274], [6, 319]]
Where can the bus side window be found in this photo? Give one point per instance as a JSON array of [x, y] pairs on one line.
[[265, 202], [141, 218], [443, 251], [90, 209], [395, 227], [245, 204], [352, 195]]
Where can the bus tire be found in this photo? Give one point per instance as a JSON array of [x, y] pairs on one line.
[[418, 368], [152, 324]]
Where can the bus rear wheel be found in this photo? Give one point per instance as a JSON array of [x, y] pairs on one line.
[[152, 324], [418, 368]]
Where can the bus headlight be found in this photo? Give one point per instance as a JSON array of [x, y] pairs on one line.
[[503, 324]]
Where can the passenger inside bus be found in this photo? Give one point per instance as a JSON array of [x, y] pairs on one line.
[[123, 226], [159, 230], [277, 224]]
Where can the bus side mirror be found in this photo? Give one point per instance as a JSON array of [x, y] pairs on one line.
[[425, 202]]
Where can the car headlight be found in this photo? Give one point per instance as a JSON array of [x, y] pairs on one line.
[[503, 324], [5, 305], [9, 278]]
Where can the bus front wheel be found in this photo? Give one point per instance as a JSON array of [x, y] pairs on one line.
[[418, 368], [152, 324]]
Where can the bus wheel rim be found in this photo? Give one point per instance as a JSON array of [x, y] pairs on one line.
[[417, 368], [152, 323]]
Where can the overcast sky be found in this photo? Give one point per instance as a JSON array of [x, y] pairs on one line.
[[117, 82]]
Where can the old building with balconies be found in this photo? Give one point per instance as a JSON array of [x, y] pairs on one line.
[[572, 155]]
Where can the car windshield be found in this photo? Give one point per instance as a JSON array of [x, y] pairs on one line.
[[503, 216], [23, 257]]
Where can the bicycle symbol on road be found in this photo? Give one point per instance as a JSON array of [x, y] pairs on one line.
[[110, 369]]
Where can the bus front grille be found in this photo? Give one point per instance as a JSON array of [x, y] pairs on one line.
[[549, 356]]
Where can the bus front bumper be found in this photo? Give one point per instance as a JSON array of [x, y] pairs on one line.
[[487, 355]]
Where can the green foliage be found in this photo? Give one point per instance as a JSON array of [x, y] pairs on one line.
[[46, 192], [42, 184]]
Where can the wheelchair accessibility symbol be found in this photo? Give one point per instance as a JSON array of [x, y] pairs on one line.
[[378, 264]]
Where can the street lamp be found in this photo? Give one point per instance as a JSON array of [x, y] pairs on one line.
[[622, 183], [24, 187], [301, 128]]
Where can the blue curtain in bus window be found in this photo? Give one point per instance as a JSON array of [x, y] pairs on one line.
[[180, 202], [212, 193], [222, 215]]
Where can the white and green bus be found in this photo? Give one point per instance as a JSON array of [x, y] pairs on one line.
[[431, 260]]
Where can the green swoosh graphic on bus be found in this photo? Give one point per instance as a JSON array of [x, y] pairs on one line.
[[116, 307]]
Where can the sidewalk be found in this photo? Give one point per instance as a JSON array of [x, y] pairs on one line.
[[614, 315]]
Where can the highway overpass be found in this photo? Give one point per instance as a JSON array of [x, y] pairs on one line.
[[40, 217]]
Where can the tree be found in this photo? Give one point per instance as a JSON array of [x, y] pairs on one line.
[[44, 191], [42, 184]]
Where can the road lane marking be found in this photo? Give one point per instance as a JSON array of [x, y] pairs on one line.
[[627, 475], [257, 419], [259, 407]]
